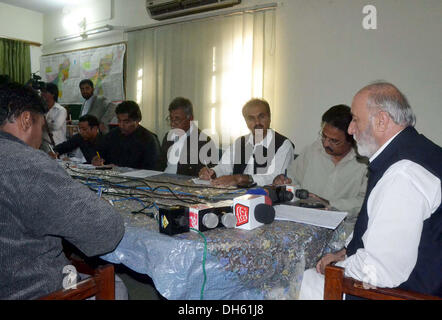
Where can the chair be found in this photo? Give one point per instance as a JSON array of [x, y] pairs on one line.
[[101, 284], [336, 284]]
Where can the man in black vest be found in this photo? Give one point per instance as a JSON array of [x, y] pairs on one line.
[[397, 237], [130, 144], [185, 149], [255, 158]]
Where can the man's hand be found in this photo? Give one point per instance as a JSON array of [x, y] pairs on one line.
[[231, 180], [281, 179], [53, 155], [330, 258], [206, 174], [97, 161], [317, 198]]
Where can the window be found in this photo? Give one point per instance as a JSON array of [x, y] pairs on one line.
[[218, 63]]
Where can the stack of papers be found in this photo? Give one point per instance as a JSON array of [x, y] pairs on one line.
[[316, 217]]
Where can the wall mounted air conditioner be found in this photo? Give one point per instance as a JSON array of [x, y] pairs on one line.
[[166, 9]]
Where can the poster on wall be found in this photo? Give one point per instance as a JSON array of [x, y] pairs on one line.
[[103, 65]]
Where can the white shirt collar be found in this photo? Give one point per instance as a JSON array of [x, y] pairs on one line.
[[383, 147]]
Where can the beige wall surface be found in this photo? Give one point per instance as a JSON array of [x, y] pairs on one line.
[[22, 24], [323, 53]]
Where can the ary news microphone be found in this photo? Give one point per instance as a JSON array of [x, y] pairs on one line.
[[252, 211], [264, 213]]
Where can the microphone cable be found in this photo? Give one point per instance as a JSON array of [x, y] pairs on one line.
[[203, 263]]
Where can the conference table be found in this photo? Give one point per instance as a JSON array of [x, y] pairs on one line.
[[223, 263]]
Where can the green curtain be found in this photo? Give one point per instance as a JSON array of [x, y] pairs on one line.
[[15, 60]]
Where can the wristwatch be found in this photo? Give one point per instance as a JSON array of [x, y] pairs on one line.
[[250, 181]]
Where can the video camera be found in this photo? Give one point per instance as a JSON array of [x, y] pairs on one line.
[[35, 82]]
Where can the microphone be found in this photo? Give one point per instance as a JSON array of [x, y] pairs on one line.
[[204, 217], [264, 213], [271, 196], [301, 193], [228, 219], [210, 220], [173, 220]]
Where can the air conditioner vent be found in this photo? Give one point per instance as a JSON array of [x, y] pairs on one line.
[[166, 9]]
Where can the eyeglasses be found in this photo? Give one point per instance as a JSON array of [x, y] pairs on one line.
[[175, 120], [333, 142]]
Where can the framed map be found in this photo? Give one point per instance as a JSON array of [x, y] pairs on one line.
[[103, 65]]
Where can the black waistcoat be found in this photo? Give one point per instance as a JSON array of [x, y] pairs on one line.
[[410, 145], [262, 157]]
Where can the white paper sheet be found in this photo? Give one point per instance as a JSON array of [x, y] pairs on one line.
[[321, 218], [141, 173], [201, 182]]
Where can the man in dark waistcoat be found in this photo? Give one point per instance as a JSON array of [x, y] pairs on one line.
[[254, 158], [185, 149], [397, 238]]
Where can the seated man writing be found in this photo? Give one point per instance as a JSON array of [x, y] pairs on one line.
[[255, 158], [184, 146], [87, 139], [130, 144], [330, 168]]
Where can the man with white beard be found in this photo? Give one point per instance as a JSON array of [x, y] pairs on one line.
[[397, 237]]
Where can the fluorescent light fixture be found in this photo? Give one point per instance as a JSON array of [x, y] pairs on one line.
[[86, 33]]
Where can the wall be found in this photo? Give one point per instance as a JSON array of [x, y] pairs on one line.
[[124, 14], [323, 56], [18, 23]]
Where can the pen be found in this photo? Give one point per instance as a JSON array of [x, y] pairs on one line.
[[285, 173], [98, 155], [52, 150]]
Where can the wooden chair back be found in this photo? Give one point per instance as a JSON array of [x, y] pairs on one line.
[[101, 284], [336, 284]]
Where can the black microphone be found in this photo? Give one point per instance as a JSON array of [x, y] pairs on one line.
[[301, 193], [279, 194], [264, 213]]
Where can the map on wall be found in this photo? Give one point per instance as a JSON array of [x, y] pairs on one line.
[[103, 65]]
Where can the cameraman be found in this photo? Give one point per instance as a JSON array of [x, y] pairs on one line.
[[55, 118]]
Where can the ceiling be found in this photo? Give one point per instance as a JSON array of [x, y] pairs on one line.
[[43, 6]]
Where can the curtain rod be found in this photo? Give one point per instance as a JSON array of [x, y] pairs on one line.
[[268, 6], [25, 41]]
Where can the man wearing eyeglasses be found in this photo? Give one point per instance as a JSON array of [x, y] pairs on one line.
[[185, 149], [330, 168]]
